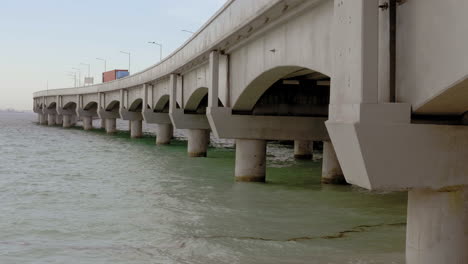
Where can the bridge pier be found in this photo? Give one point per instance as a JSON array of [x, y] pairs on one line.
[[437, 226], [43, 119], [87, 122], [303, 149], [198, 140], [51, 120], [67, 122], [111, 125], [250, 160], [136, 128], [164, 134], [103, 123], [331, 170], [58, 119]]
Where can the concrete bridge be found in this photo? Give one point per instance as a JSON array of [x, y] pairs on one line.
[[384, 84]]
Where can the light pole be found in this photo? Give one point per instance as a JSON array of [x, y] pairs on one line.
[[129, 59], [79, 75], [188, 31], [89, 70], [73, 74], [160, 48], [105, 63]]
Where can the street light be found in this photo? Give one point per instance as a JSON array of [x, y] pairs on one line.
[[188, 31], [160, 48], [73, 74], [89, 67], [129, 59], [79, 75], [105, 62]]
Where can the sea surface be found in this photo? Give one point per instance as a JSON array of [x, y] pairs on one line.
[[74, 196]]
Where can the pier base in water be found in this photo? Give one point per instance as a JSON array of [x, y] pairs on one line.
[[111, 125], [51, 120], [303, 149], [136, 128], [103, 123], [87, 122], [331, 170], [198, 140], [164, 134], [250, 160], [66, 121], [43, 119], [58, 119], [437, 229]]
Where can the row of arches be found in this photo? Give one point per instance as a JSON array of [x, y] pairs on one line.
[[282, 91]]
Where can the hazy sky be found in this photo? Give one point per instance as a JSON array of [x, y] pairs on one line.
[[41, 41]]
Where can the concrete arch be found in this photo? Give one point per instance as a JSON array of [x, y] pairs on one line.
[[91, 106], [257, 87], [52, 105], [113, 106], [136, 106], [196, 98], [70, 106], [162, 103]]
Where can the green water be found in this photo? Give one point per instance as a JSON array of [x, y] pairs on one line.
[[71, 196]]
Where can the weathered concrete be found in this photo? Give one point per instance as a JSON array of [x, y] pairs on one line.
[[437, 226], [164, 134], [103, 123], [87, 122], [331, 170], [250, 160], [43, 119], [136, 129], [58, 119], [67, 121], [111, 125], [198, 140], [51, 120], [303, 149]]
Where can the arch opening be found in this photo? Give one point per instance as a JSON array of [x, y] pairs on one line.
[[70, 106], [162, 106], [136, 106], [91, 106], [113, 106], [198, 102], [286, 91], [52, 106]]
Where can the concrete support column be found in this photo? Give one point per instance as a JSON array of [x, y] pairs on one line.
[[103, 123], [331, 170], [51, 120], [87, 122], [303, 149], [437, 228], [67, 121], [198, 140], [136, 128], [43, 119], [164, 134], [250, 160], [58, 119], [129, 125], [111, 125]]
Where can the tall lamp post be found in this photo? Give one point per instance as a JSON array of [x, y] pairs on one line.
[[129, 59], [105, 63], [79, 75], [89, 69], [160, 48], [73, 74]]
